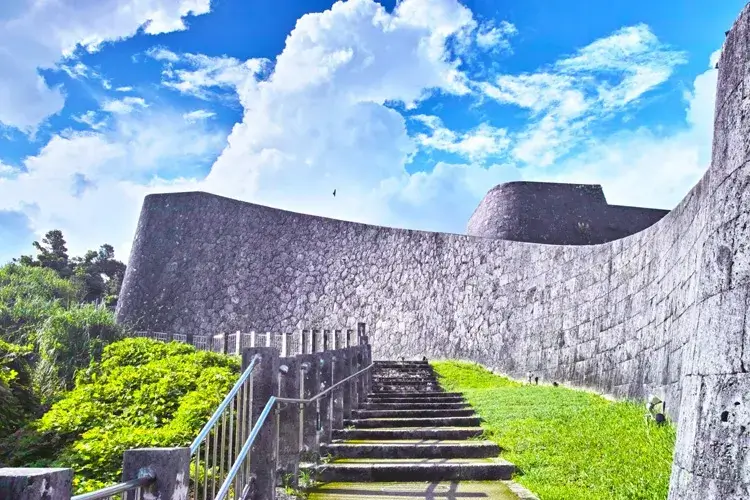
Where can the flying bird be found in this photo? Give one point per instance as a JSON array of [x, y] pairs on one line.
[[334, 192]]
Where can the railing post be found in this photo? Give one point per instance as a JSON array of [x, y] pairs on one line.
[[288, 420], [368, 362], [170, 465], [361, 384], [337, 410], [262, 453], [326, 377], [361, 334], [310, 387], [349, 333], [326, 340], [303, 342], [268, 339], [336, 340], [353, 384], [285, 347], [346, 391], [315, 344], [36, 484], [238, 344], [224, 343], [253, 339]]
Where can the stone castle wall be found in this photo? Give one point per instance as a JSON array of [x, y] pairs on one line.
[[558, 214], [662, 311]]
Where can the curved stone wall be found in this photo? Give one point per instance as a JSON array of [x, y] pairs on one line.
[[662, 310], [558, 214]]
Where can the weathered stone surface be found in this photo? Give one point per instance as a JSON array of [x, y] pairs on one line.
[[558, 214], [35, 484], [660, 311], [170, 465]]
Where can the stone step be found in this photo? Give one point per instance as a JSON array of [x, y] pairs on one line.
[[389, 400], [404, 380], [410, 405], [414, 449], [407, 388], [390, 364], [411, 395], [410, 413], [440, 433], [351, 470], [488, 490], [379, 423]]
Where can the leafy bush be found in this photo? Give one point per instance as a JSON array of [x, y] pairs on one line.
[[17, 399], [69, 340], [143, 393]]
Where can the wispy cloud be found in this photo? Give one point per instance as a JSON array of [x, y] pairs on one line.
[[124, 105], [564, 99], [198, 74], [477, 144], [197, 115]]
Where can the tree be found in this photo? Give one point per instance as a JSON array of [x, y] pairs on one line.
[[97, 275], [53, 253]]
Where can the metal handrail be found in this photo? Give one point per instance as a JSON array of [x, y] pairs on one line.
[[262, 419], [144, 479], [323, 393], [195, 445]]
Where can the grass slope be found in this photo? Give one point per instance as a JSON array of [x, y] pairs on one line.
[[568, 444]]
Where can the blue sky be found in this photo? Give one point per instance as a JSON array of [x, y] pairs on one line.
[[410, 111]]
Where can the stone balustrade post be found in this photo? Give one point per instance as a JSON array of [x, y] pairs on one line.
[[263, 452], [337, 407], [346, 392], [326, 402], [310, 364], [171, 466], [35, 484], [288, 420]]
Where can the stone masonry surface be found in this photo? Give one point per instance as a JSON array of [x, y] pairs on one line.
[[660, 311], [559, 214]]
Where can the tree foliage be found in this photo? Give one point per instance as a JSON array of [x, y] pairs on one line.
[[97, 275], [28, 296], [143, 393]]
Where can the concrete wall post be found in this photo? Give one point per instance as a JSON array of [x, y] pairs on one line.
[[326, 402], [35, 484], [288, 421], [337, 407], [262, 453], [310, 387], [170, 465]]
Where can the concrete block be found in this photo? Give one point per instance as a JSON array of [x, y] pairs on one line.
[[289, 417], [170, 465], [263, 451], [35, 484], [310, 365], [325, 403]]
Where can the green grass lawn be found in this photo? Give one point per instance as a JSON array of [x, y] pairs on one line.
[[567, 444]]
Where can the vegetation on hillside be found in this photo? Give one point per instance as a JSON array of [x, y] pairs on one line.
[[55, 317], [568, 444], [143, 393]]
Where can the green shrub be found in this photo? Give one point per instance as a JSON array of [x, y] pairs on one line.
[[143, 393], [67, 341], [17, 399], [28, 296]]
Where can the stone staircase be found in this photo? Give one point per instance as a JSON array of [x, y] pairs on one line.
[[409, 431]]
